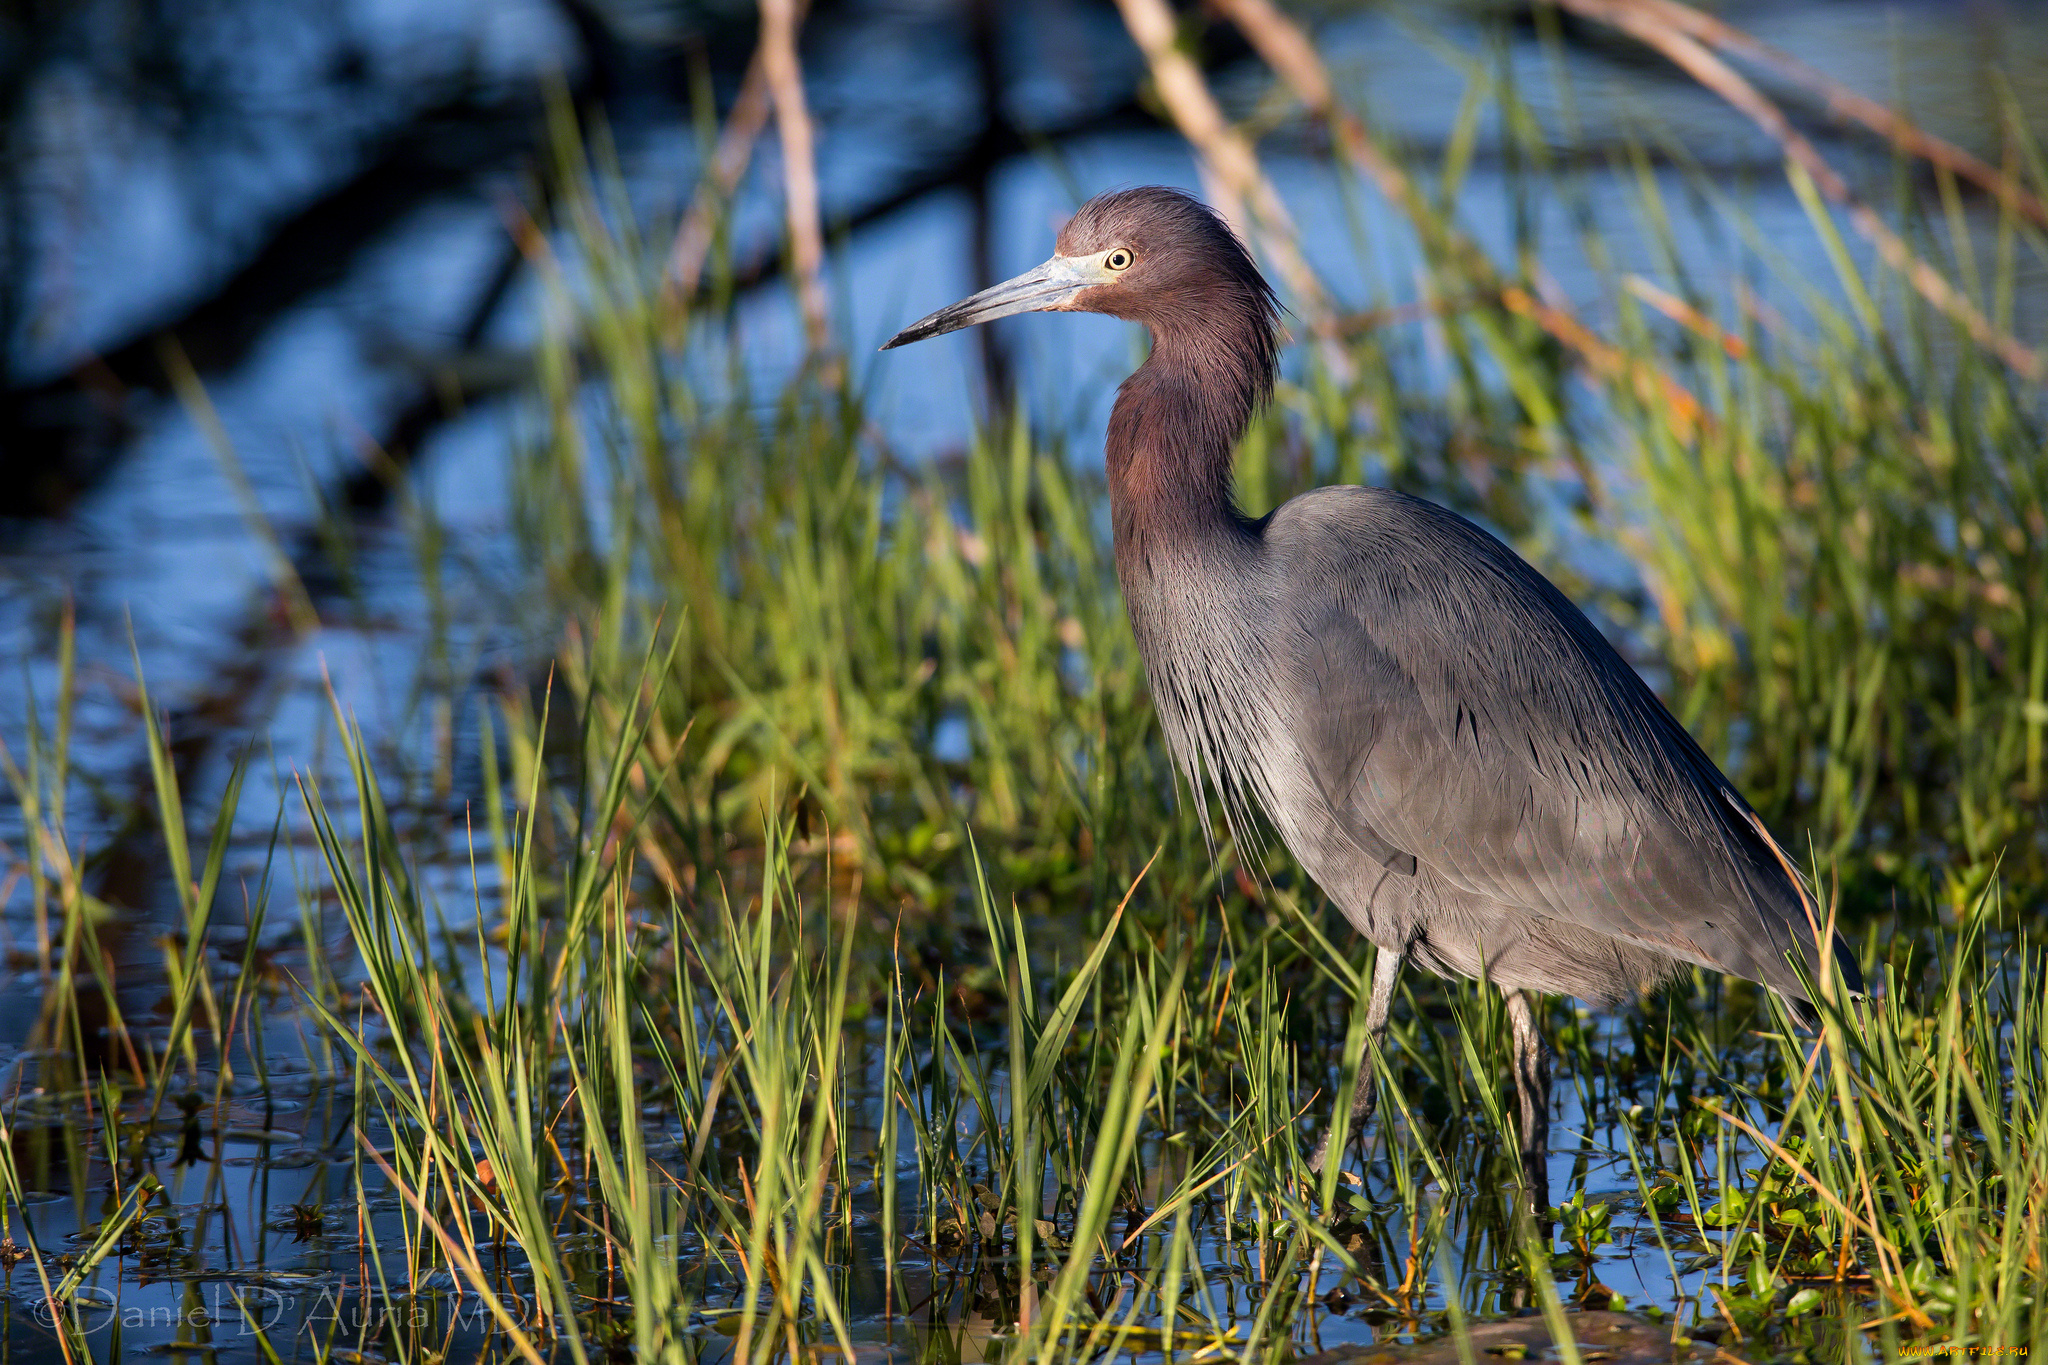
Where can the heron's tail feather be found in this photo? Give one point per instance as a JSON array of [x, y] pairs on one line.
[[1809, 918]]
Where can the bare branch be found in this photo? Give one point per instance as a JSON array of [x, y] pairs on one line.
[[780, 20], [1852, 104], [1646, 21], [735, 149], [1230, 167], [1293, 57]]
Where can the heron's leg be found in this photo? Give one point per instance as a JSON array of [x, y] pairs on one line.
[[1386, 970], [1532, 1088]]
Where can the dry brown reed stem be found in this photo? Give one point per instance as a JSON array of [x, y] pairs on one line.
[[1686, 316], [729, 159], [1650, 384], [1230, 167], [1286, 49], [1640, 19], [1847, 103], [780, 20], [1891, 1264]]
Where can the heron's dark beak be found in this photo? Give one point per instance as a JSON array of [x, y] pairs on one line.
[[1052, 285]]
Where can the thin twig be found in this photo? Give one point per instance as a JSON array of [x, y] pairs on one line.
[[465, 1261], [1770, 1145], [729, 159], [780, 20], [1894, 1278], [1640, 19], [1288, 51], [1611, 363], [1686, 316], [1845, 102], [1230, 168], [1285, 48]]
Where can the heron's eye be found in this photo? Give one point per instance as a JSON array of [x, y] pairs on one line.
[[1120, 259]]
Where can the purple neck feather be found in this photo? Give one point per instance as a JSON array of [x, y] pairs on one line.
[[1177, 422]]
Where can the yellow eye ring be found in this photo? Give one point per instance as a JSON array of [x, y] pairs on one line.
[[1120, 259]]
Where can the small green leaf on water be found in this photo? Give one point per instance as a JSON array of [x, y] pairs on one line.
[[1805, 1301], [1200, 1341]]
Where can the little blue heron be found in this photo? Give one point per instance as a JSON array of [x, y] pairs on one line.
[[1445, 743]]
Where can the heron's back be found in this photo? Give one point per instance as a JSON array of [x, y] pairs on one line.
[[1462, 761]]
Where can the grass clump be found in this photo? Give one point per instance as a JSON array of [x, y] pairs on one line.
[[1835, 523]]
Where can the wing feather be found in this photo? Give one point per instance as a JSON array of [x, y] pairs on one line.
[[1460, 712]]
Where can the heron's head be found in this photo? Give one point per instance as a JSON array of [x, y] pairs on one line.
[[1155, 255]]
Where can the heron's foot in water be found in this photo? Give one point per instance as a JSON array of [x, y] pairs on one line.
[[1347, 1182], [1532, 1093], [1536, 1184], [1322, 1151], [1364, 1101]]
